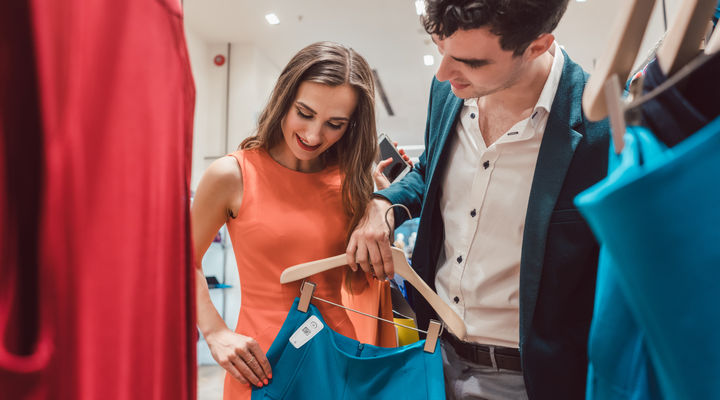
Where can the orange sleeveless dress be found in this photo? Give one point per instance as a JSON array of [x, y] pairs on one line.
[[285, 218]]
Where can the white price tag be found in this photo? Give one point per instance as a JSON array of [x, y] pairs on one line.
[[306, 331]]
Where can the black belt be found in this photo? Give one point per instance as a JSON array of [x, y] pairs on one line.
[[492, 356]]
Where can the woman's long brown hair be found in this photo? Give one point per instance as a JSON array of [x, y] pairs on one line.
[[331, 64]]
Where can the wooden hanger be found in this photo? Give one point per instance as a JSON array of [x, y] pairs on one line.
[[682, 42], [451, 319], [618, 58]]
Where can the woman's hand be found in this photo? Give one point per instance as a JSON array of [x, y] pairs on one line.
[[381, 181], [241, 356]]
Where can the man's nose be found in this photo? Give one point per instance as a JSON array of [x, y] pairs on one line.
[[444, 69]]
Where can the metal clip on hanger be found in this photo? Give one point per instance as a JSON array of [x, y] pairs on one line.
[[449, 317]]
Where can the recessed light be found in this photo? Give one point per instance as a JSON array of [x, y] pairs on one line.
[[429, 60], [420, 7], [272, 19]]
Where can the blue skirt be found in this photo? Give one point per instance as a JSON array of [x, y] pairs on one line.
[[334, 367]]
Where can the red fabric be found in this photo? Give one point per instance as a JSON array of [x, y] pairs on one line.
[[115, 292], [24, 350]]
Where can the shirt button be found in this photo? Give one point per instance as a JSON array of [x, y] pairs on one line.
[[473, 213], [459, 259], [472, 115], [456, 299], [486, 164]]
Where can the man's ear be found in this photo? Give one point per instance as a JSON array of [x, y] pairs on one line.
[[539, 46]]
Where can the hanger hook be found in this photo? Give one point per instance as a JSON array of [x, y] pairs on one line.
[[390, 229]]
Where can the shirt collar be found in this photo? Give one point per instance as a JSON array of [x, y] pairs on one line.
[[551, 85]]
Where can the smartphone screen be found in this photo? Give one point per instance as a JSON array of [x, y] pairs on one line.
[[399, 167]]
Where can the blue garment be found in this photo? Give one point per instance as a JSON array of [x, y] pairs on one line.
[[657, 216], [619, 367], [559, 253], [333, 367]]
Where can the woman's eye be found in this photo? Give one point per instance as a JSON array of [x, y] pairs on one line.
[[334, 126], [303, 115]]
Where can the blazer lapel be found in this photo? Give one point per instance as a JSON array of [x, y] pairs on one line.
[[556, 152], [444, 127]]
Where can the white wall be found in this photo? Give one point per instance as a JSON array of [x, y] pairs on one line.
[[197, 52], [210, 88], [252, 77]]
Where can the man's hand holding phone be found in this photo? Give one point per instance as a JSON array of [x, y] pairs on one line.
[[393, 164]]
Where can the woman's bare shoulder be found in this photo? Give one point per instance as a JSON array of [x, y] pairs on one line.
[[222, 181]]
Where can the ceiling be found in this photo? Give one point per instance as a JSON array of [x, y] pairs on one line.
[[388, 34]]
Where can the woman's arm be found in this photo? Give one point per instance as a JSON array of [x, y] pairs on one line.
[[218, 198]]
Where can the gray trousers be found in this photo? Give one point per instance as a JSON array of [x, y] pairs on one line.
[[466, 380]]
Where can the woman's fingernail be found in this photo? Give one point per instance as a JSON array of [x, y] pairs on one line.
[[265, 381], [260, 384], [270, 376]]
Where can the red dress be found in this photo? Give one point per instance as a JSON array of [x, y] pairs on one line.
[[108, 308]]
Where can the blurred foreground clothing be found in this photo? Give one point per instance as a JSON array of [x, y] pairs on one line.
[[654, 332], [96, 277]]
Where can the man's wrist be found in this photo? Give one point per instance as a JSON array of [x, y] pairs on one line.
[[383, 206]]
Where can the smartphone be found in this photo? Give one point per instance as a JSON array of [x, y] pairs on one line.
[[399, 167]]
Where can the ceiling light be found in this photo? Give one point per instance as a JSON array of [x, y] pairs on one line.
[[420, 7], [581, 1], [429, 60], [272, 19]]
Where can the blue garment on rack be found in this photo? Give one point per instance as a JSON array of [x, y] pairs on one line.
[[333, 367], [657, 216], [619, 367]]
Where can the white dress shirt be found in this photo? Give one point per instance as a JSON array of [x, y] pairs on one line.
[[484, 200]]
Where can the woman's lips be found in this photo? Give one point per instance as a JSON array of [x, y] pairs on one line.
[[304, 146]]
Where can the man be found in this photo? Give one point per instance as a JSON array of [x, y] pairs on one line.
[[507, 148]]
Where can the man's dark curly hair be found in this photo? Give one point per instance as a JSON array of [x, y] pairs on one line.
[[517, 22]]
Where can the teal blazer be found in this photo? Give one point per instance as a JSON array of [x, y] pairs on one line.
[[559, 253]]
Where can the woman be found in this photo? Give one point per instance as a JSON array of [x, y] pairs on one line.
[[291, 194]]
